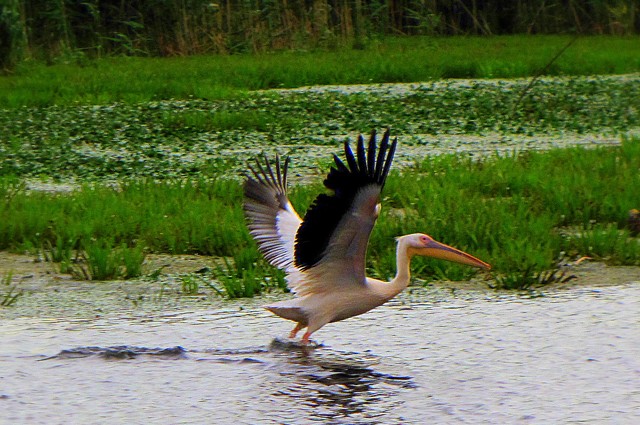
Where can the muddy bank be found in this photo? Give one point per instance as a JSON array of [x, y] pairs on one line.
[[48, 293]]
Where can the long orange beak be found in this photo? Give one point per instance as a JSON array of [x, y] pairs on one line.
[[441, 251]]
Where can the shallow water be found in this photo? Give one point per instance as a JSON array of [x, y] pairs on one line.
[[569, 356]]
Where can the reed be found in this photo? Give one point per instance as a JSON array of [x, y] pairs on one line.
[[246, 275], [60, 31]]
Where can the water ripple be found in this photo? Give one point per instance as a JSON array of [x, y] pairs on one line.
[[568, 356]]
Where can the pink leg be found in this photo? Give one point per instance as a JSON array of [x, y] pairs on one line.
[[295, 330], [305, 337]]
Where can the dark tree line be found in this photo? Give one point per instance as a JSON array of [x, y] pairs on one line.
[[50, 28]]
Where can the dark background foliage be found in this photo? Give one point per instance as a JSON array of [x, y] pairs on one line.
[[53, 29]]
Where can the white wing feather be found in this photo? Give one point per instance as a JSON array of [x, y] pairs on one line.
[[272, 220]]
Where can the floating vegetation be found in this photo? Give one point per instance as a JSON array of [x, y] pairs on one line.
[[177, 139]]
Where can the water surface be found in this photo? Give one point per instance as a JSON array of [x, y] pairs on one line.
[[431, 356]]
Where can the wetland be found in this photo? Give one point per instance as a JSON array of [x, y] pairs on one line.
[[541, 182], [436, 353]]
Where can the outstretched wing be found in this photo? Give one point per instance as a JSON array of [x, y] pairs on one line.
[[272, 220], [331, 243]]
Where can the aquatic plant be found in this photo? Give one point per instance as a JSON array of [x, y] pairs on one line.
[[198, 139], [103, 260], [247, 274], [512, 210], [61, 252], [189, 284], [528, 279], [9, 296], [605, 242]]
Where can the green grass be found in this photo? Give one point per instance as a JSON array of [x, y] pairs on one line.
[[528, 279], [521, 213], [172, 167], [133, 80], [103, 260], [173, 217], [248, 275], [10, 293]]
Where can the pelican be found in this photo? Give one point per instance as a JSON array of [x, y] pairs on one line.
[[323, 254]]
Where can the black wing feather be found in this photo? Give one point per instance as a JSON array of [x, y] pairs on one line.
[[387, 164], [371, 154], [341, 167], [351, 160], [362, 160], [326, 212], [384, 145]]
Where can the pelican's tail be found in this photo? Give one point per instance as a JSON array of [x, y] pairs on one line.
[[289, 310]]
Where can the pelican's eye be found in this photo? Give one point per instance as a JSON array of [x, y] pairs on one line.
[[424, 239]]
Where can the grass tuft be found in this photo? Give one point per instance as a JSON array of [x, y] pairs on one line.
[[528, 279], [189, 285], [9, 296], [103, 260], [247, 275]]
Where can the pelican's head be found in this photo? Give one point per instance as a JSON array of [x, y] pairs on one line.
[[425, 245]]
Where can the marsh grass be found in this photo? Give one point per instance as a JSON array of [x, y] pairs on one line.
[[246, 275], [103, 260], [529, 279], [606, 242], [61, 252], [523, 280], [512, 211], [189, 285], [399, 59], [10, 293], [176, 217]]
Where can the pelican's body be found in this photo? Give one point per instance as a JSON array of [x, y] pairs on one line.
[[324, 253]]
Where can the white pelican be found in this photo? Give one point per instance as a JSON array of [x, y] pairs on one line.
[[324, 253]]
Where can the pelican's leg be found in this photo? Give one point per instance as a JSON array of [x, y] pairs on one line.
[[314, 325], [295, 330]]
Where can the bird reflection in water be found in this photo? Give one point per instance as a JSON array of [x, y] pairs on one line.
[[336, 386]]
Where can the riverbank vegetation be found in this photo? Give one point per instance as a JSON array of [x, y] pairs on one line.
[[9, 293], [390, 60], [526, 211], [145, 155]]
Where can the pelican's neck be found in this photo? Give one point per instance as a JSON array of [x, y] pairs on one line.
[[403, 273]]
